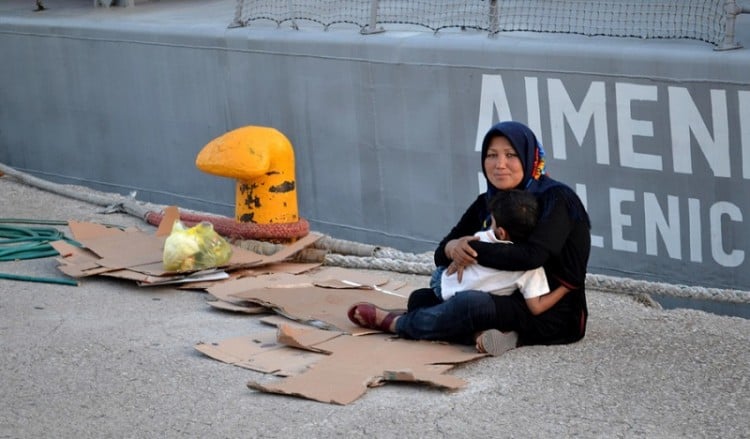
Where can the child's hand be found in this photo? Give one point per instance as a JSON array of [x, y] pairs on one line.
[[455, 268]]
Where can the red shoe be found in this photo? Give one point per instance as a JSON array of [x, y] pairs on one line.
[[366, 312]]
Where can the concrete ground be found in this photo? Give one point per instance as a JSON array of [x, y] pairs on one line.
[[110, 359]]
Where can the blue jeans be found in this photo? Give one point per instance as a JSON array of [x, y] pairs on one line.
[[456, 320], [435, 279]]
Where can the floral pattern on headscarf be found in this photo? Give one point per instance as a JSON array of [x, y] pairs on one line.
[[538, 167]]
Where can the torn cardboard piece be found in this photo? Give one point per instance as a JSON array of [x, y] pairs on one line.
[[354, 364], [276, 320], [126, 249], [171, 214], [226, 290], [85, 230], [222, 292], [304, 337], [322, 295], [328, 277], [331, 277], [322, 307], [276, 267], [280, 267], [232, 307], [207, 276], [261, 353], [75, 261]]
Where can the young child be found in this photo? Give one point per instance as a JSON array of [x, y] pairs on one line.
[[514, 215]]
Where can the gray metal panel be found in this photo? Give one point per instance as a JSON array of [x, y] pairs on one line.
[[384, 126]]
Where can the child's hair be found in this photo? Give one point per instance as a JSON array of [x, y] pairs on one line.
[[516, 211]]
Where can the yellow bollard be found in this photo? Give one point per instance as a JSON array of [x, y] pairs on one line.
[[261, 159]]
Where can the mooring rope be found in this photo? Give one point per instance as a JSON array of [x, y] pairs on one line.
[[115, 202], [377, 263], [636, 287], [349, 254], [353, 248]]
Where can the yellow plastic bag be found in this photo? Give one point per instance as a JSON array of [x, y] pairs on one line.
[[196, 248]]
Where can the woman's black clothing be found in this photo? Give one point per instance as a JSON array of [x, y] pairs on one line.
[[559, 243]]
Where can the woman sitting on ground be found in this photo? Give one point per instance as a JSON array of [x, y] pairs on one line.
[[512, 158]]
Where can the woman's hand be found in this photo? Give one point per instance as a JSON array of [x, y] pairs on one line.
[[461, 253]]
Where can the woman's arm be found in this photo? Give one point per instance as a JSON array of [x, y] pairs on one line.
[[464, 230], [540, 304]]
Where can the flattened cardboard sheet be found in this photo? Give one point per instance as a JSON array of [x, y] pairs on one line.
[[290, 250], [282, 267], [171, 214], [332, 277], [225, 291], [84, 230], [323, 307], [134, 255], [279, 267], [75, 261], [126, 275], [356, 363], [335, 275], [261, 353], [301, 337], [232, 307], [69, 253], [198, 276], [276, 320], [127, 249]]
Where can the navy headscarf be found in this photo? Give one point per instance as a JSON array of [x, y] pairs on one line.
[[531, 153]]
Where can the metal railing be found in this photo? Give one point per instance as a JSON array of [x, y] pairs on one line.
[[712, 21]]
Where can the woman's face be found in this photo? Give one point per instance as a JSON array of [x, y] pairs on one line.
[[502, 165]]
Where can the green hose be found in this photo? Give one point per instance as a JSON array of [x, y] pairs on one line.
[[47, 280], [33, 221], [20, 243], [28, 242]]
